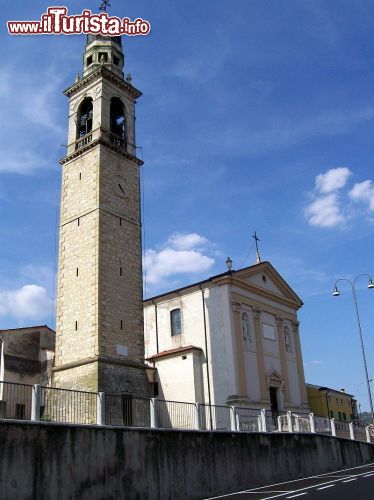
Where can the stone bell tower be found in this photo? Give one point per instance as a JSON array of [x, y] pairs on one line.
[[99, 339]]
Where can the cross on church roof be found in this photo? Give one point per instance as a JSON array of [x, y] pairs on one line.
[[104, 5], [255, 237]]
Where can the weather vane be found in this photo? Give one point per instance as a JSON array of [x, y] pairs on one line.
[[104, 5]]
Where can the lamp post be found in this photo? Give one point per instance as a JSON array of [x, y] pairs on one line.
[[336, 293]]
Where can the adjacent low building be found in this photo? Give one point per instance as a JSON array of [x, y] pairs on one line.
[[232, 339], [26, 358], [332, 403]]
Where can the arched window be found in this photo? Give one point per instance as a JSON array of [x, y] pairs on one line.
[[175, 322], [118, 130], [85, 114]]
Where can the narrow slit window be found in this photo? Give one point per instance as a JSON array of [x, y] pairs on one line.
[[121, 324], [80, 176], [78, 222], [120, 271], [120, 222], [76, 325], [77, 271], [89, 60]]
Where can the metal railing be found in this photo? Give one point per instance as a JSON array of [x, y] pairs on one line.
[[175, 414], [127, 410], [15, 401], [52, 404], [66, 405]]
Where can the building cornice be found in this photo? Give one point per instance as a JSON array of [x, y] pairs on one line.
[[108, 75], [99, 359], [93, 144]]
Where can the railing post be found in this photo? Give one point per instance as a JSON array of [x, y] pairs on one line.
[[279, 422], [233, 419], [237, 420], [312, 423], [35, 403], [333, 428], [263, 421], [152, 407], [297, 423], [197, 416], [289, 421], [351, 431], [100, 408], [368, 438]]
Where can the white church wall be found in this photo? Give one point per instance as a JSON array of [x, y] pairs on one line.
[[294, 384], [252, 377], [176, 376], [220, 344]]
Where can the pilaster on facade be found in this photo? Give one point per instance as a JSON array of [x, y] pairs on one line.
[[283, 360]]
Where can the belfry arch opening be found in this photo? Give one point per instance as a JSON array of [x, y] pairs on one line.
[[84, 118], [118, 128]]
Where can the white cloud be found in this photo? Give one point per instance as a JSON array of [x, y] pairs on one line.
[[325, 208], [27, 302], [182, 254], [364, 192], [186, 241], [332, 180], [325, 211]]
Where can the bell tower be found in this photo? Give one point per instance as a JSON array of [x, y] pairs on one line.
[[99, 322]]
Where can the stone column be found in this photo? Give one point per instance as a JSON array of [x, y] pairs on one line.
[[240, 365], [299, 361], [283, 359], [260, 356]]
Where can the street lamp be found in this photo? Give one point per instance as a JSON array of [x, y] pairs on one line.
[[336, 293]]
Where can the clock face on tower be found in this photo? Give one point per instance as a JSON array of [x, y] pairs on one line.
[[120, 187]]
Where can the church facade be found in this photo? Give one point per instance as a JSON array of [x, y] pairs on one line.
[[232, 339]]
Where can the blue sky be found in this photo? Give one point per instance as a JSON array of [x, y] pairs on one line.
[[254, 117]]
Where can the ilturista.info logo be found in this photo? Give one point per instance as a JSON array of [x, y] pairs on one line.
[[56, 21]]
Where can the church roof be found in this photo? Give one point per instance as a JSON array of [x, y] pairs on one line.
[[234, 274]]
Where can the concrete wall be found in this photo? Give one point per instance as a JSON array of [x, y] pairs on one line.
[[50, 461]]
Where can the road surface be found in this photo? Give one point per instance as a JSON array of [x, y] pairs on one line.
[[347, 484]]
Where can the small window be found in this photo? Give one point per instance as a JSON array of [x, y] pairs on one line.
[[176, 322], [76, 325], [184, 356], [268, 331], [77, 271], [120, 271], [121, 324], [115, 60], [80, 176], [89, 60], [344, 417], [340, 416], [331, 414], [20, 412]]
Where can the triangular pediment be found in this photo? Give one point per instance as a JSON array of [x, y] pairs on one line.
[[265, 278]]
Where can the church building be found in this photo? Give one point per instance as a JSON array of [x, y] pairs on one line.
[[232, 339]]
